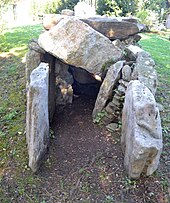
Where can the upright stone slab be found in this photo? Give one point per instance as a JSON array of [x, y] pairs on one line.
[[145, 71], [112, 76], [48, 58], [33, 58], [37, 120], [77, 44], [141, 131]]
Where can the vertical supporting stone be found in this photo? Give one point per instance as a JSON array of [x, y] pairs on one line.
[[106, 89], [37, 118], [47, 58], [141, 131], [33, 59], [145, 72]]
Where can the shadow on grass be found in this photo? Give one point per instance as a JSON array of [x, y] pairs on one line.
[[18, 37]]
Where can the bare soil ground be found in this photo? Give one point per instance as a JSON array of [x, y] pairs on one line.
[[85, 163]]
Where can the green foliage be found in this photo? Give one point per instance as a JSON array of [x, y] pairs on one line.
[[148, 17], [44, 7], [159, 7], [66, 4], [18, 38], [108, 7], [99, 117], [117, 7]]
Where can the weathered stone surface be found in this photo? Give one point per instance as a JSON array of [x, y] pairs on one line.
[[126, 73], [130, 19], [64, 92], [123, 83], [112, 127], [133, 51], [33, 45], [37, 121], [141, 131], [112, 77], [145, 71], [168, 22], [112, 27], [33, 59], [62, 71], [132, 39], [48, 58], [119, 44], [67, 12], [121, 89], [64, 81], [79, 45], [50, 20]]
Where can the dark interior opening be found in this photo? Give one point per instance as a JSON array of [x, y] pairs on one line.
[[84, 83]]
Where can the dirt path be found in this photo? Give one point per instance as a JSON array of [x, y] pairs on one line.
[[78, 139], [85, 163]]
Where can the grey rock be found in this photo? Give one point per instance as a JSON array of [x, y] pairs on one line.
[[62, 71], [110, 108], [50, 20], [37, 120], [33, 59], [113, 28], [112, 127], [33, 45], [112, 77], [64, 92], [132, 51], [123, 83], [141, 131], [118, 43], [121, 89], [67, 12], [116, 102], [167, 24], [47, 58], [145, 71], [126, 73], [77, 44]]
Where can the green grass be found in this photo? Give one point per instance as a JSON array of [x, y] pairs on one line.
[[159, 48], [13, 151], [17, 38]]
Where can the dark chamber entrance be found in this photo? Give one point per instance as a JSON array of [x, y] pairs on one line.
[[84, 83]]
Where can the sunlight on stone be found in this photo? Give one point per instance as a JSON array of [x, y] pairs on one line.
[[111, 33]]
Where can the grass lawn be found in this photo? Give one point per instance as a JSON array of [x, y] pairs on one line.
[[17, 183]]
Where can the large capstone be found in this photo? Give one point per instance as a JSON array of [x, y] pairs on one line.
[[77, 44], [37, 126], [141, 131], [113, 28]]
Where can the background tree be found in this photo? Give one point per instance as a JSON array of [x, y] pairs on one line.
[[108, 7], [66, 4], [117, 7]]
